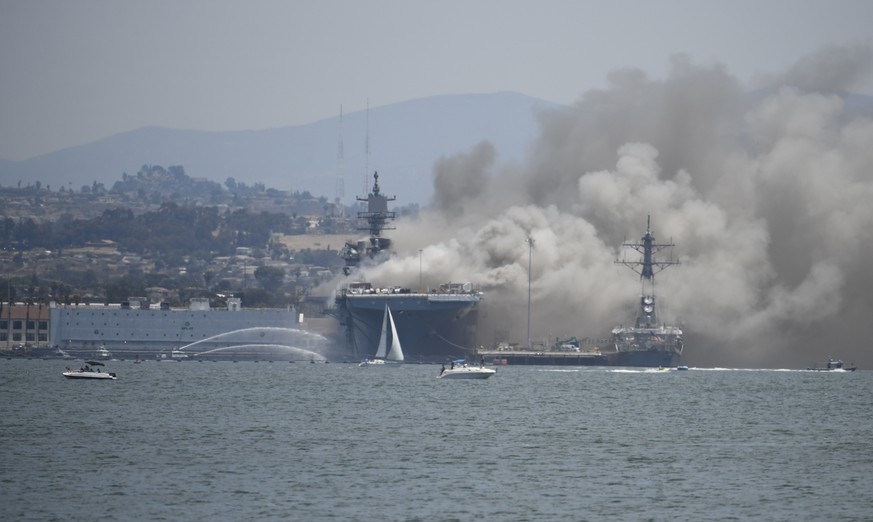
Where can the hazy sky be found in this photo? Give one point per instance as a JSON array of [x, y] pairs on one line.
[[76, 71]]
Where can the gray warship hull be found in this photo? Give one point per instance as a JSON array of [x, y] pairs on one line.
[[644, 358], [431, 327]]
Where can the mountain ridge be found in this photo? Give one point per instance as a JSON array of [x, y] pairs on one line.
[[405, 139]]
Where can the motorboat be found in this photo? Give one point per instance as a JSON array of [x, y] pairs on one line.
[[461, 370], [833, 365], [89, 371], [682, 368]]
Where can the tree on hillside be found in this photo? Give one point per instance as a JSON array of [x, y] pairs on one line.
[[259, 298], [269, 277]]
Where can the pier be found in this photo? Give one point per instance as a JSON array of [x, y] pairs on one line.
[[500, 358]]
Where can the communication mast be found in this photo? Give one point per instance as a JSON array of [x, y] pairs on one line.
[[367, 151], [340, 169]]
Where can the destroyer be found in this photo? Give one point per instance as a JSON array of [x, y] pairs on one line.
[[647, 343], [435, 325]]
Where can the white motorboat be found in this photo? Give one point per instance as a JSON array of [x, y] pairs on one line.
[[102, 353], [461, 370], [89, 372], [383, 354]]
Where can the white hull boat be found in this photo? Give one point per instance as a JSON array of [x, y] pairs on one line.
[[466, 372], [79, 374]]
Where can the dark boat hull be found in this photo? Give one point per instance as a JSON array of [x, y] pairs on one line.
[[645, 359]]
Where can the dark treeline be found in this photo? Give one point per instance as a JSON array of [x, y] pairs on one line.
[[172, 228]]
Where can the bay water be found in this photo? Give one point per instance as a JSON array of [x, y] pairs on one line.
[[281, 441]]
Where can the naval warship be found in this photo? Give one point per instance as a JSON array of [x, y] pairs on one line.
[[647, 343], [433, 325]]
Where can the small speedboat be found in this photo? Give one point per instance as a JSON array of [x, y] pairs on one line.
[[682, 368], [89, 372], [833, 365], [464, 371]]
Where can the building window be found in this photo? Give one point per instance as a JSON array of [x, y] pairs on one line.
[[31, 325], [16, 336], [43, 338], [16, 325], [4, 325], [43, 325], [4, 336], [31, 337]]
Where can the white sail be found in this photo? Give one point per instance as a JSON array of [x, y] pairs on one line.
[[396, 353], [383, 346]]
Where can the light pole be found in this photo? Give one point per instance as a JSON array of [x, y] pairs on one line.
[[530, 243], [419, 271]]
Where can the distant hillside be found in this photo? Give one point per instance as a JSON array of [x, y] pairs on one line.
[[405, 141]]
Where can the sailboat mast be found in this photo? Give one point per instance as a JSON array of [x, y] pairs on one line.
[[396, 353], [382, 350]]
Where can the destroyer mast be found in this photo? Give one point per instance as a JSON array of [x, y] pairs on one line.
[[647, 267]]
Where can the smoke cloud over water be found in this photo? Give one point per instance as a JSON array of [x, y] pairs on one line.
[[767, 195]]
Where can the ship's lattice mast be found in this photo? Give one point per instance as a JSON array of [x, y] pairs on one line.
[[647, 267]]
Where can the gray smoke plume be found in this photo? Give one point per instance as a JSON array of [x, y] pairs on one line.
[[766, 195]]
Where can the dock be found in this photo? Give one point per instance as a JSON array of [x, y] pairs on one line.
[[501, 358]]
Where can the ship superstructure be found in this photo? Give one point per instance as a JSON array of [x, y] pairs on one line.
[[376, 219], [648, 342], [432, 324]]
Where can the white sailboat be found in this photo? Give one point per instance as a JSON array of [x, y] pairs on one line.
[[383, 353]]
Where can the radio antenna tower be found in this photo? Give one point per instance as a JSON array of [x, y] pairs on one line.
[[340, 168], [367, 152]]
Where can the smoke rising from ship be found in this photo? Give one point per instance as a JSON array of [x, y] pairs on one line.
[[765, 192]]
